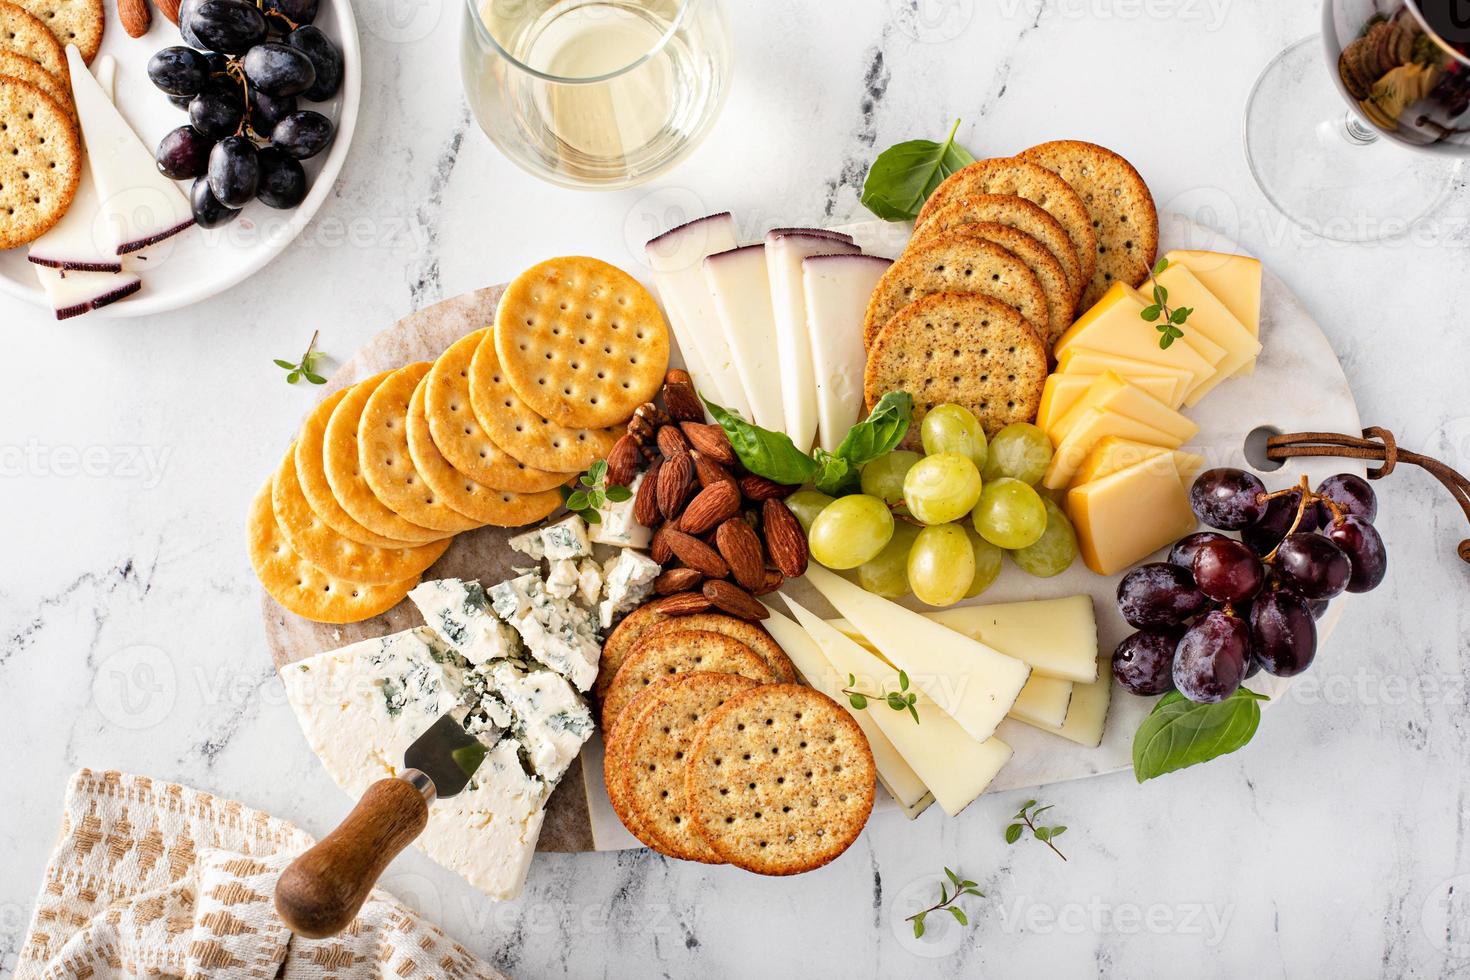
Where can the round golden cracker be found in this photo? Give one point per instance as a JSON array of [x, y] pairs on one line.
[[311, 474], [1013, 212], [655, 745], [779, 780], [753, 635], [511, 425], [961, 348], [340, 557], [500, 508], [581, 341], [457, 432], [679, 652], [386, 464], [955, 263], [79, 22], [23, 69], [1030, 181], [1060, 299], [300, 586], [29, 37], [620, 643], [614, 765], [1122, 209], [40, 162], [344, 471]]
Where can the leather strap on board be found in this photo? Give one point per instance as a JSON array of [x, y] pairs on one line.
[[1378, 445]]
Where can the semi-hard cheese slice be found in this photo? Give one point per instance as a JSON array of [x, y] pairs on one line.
[[1082, 361], [1213, 320], [1113, 325], [785, 253], [1127, 516], [1112, 454], [973, 683], [1063, 392], [1044, 700], [1057, 637], [1234, 279], [740, 282], [896, 775], [1111, 393], [1087, 715], [677, 260], [837, 288], [955, 766], [1094, 425]]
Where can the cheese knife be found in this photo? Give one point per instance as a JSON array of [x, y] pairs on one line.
[[319, 893]]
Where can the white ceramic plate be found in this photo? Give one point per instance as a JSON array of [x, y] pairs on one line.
[[199, 263]]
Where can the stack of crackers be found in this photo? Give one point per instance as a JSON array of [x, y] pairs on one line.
[[715, 754], [40, 145], [1003, 255], [384, 473]]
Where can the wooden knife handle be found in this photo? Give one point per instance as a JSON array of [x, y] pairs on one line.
[[319, 893]]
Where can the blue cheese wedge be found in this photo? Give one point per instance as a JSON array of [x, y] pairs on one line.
[[460, 613], [539, 710], [557, 632], [618, 526], [628, 580]]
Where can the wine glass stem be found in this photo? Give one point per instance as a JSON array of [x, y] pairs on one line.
[[1355, 131]]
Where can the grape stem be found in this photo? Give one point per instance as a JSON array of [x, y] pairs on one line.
[[1307, 498]]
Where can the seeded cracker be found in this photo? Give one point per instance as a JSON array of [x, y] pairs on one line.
[[29, 37], [779, 780], [1060, 300], [1013, 212], [679, 652], [78, 22], [753, 635], [23, 69], [617, 647], [40, 162]]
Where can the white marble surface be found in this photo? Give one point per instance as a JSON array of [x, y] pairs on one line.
[[129, 630]]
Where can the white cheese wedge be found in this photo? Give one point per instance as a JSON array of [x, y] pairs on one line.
[[1043, 700], [1057, 637], [896, 775], [954, 766], [1087, 715], [740, 282], [72, 293], [836, 289], [973, 683], [139, 205], [784, 255], [677, 260]]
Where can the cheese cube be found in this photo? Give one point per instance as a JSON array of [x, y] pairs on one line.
[[1123, 518], [1094, 425], [1087, 715], [1112, 394]]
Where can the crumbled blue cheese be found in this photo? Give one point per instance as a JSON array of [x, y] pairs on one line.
[[529, 544], [628, 580], [542, 713], [589, 581], [561, 580], [566, 539], [618, 526], [460, 613], [557, 632]]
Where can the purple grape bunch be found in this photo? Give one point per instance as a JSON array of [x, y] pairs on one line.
[[241, 75], [1221, 608]]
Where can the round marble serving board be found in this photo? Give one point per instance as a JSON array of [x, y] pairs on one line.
[[1298, 385]]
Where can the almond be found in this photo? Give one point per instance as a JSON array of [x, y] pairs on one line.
[[741, 547], [734, 600], [675, 483], [759, 488], [681, 399], [645, 504], [623, 461], [671, 441], [785, 540], [659, 550], [774, 580], [709, 472], [715, 503], [169, 9], [135, 16], [677, 580], [682, 604], [695, 553], [710, 440]]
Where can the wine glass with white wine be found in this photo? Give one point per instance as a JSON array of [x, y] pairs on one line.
[[1369, 170]]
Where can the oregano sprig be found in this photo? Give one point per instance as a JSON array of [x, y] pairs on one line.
[[962, 886], [593, 494], [1026, 817], [901, 700], [304, 368], [1173, 318]]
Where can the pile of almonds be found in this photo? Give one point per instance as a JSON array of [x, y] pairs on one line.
[[722, 535]]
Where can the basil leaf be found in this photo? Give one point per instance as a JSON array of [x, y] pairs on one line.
[[904, 175], [1179, 733], [765, 453], [835, 476], [880, 432]]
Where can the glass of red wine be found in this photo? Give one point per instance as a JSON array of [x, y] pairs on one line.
[[1370, 170]]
